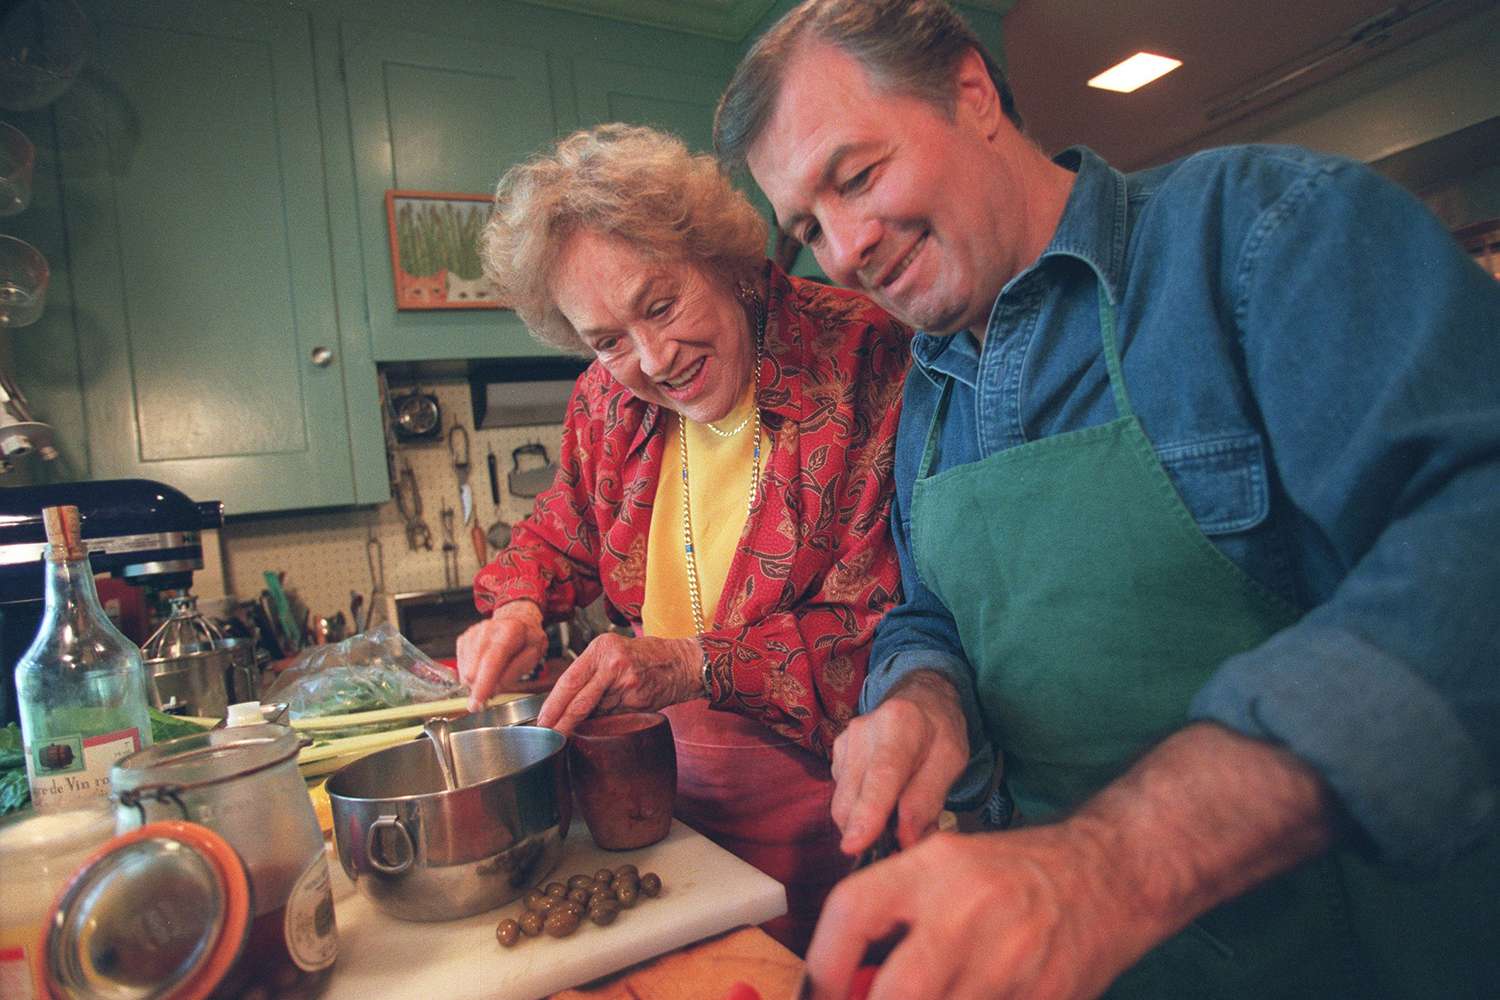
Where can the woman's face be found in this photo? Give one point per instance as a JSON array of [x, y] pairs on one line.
[[671, 332]]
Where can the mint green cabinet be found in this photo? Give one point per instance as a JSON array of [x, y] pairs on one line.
[[196, 229], [437, 113], [211, 194], [673, 100]]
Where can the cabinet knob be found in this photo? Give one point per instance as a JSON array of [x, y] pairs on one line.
[[322, 356]]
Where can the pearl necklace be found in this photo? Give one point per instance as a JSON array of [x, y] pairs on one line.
[[687, 497]]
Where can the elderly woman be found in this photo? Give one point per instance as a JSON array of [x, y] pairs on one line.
[[724, 482]]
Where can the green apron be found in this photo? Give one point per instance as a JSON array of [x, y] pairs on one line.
[[1093, 608]]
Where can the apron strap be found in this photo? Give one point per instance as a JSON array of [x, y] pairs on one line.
[[934, 428], [1111, 362], [1112, 354]]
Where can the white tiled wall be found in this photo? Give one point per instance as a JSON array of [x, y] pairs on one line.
[[323, 554]]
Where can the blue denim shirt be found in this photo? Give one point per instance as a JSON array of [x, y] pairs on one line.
[[1317, 365]]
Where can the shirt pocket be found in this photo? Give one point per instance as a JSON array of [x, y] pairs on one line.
[[1221, 480]]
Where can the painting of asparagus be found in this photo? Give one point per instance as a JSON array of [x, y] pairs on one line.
[[435, 252]]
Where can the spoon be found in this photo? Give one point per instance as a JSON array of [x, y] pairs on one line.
[[436, 731]]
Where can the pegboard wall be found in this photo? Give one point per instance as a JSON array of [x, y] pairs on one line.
[[324, 553]]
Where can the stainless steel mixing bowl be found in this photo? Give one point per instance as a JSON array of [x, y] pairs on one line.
[[420, 852]]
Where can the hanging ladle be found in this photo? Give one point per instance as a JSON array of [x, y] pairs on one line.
[[436, 731]]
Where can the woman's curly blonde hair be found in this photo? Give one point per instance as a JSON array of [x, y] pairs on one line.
[[626, 181]]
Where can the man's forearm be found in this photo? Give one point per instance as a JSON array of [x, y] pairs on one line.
[[1202, 818]]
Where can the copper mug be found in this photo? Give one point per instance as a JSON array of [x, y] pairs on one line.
[[624, 773]]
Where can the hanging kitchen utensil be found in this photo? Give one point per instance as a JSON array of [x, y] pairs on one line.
[[450, 550], [416, 415], [377, 613], [538, 474], [458, 448], [489, 461], [409, 506]]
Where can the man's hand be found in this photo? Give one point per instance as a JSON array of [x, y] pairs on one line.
[[1059, 911], [904, 755], [1026, 914], [617, 674], [502, 647]]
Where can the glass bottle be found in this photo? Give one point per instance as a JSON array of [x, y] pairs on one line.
[[81, 685]]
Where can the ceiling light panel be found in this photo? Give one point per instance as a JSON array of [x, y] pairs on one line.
[[1135, 72]]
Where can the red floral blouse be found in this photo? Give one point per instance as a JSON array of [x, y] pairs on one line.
[[816, 567]]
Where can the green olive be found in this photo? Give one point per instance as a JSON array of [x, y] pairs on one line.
[[561, 923], [604, 912], [556, 890], [580, 881], [508, 932], [580, 895], [627, 894], [533, 899], [650, 884], [531, 923], [626, 869]]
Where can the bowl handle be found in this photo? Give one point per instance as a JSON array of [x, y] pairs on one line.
[[409, 853]]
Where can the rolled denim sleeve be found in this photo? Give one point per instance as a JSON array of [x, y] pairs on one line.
[[920, 634], [1372, 346]]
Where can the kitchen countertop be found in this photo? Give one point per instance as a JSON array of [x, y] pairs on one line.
[[706, 891]]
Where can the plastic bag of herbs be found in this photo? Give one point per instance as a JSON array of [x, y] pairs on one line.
[[15, 791], [366, 672]]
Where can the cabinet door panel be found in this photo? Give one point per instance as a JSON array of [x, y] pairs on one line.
[[681, 103], [437, 113], [197, 232]]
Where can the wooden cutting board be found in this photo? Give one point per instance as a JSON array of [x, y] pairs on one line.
[[706, 891], [704, 971]]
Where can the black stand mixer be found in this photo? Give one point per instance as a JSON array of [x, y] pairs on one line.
[[144, 532]]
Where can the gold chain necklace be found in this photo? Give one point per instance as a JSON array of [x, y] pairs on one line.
[[729, 434], [687, 497]]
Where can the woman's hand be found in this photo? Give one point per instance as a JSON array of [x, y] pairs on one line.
[[617, 674], [502, 647]]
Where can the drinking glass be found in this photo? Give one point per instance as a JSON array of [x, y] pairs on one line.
[[23, 282], [17, 157]]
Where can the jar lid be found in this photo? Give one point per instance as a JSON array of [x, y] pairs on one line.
[[159, 913], [201, 759]]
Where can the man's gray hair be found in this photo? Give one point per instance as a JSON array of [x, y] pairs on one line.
[[909, 47]]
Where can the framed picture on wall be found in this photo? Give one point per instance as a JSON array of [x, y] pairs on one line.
[[435, 250], [1482, 240]]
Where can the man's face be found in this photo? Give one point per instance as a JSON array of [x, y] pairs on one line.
[[888, 192]]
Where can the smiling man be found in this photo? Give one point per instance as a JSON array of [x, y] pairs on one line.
[[1198, 492]]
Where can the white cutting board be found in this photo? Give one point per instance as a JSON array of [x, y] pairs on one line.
[[705, 890]]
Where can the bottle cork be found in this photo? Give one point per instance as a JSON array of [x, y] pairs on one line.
[[64, 534]]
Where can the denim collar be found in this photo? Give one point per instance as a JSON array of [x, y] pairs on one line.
[[1093, 228]]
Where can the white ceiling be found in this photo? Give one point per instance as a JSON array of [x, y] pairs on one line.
[[1228, 48]]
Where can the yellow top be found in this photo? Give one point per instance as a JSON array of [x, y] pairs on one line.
[[719, 484]]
